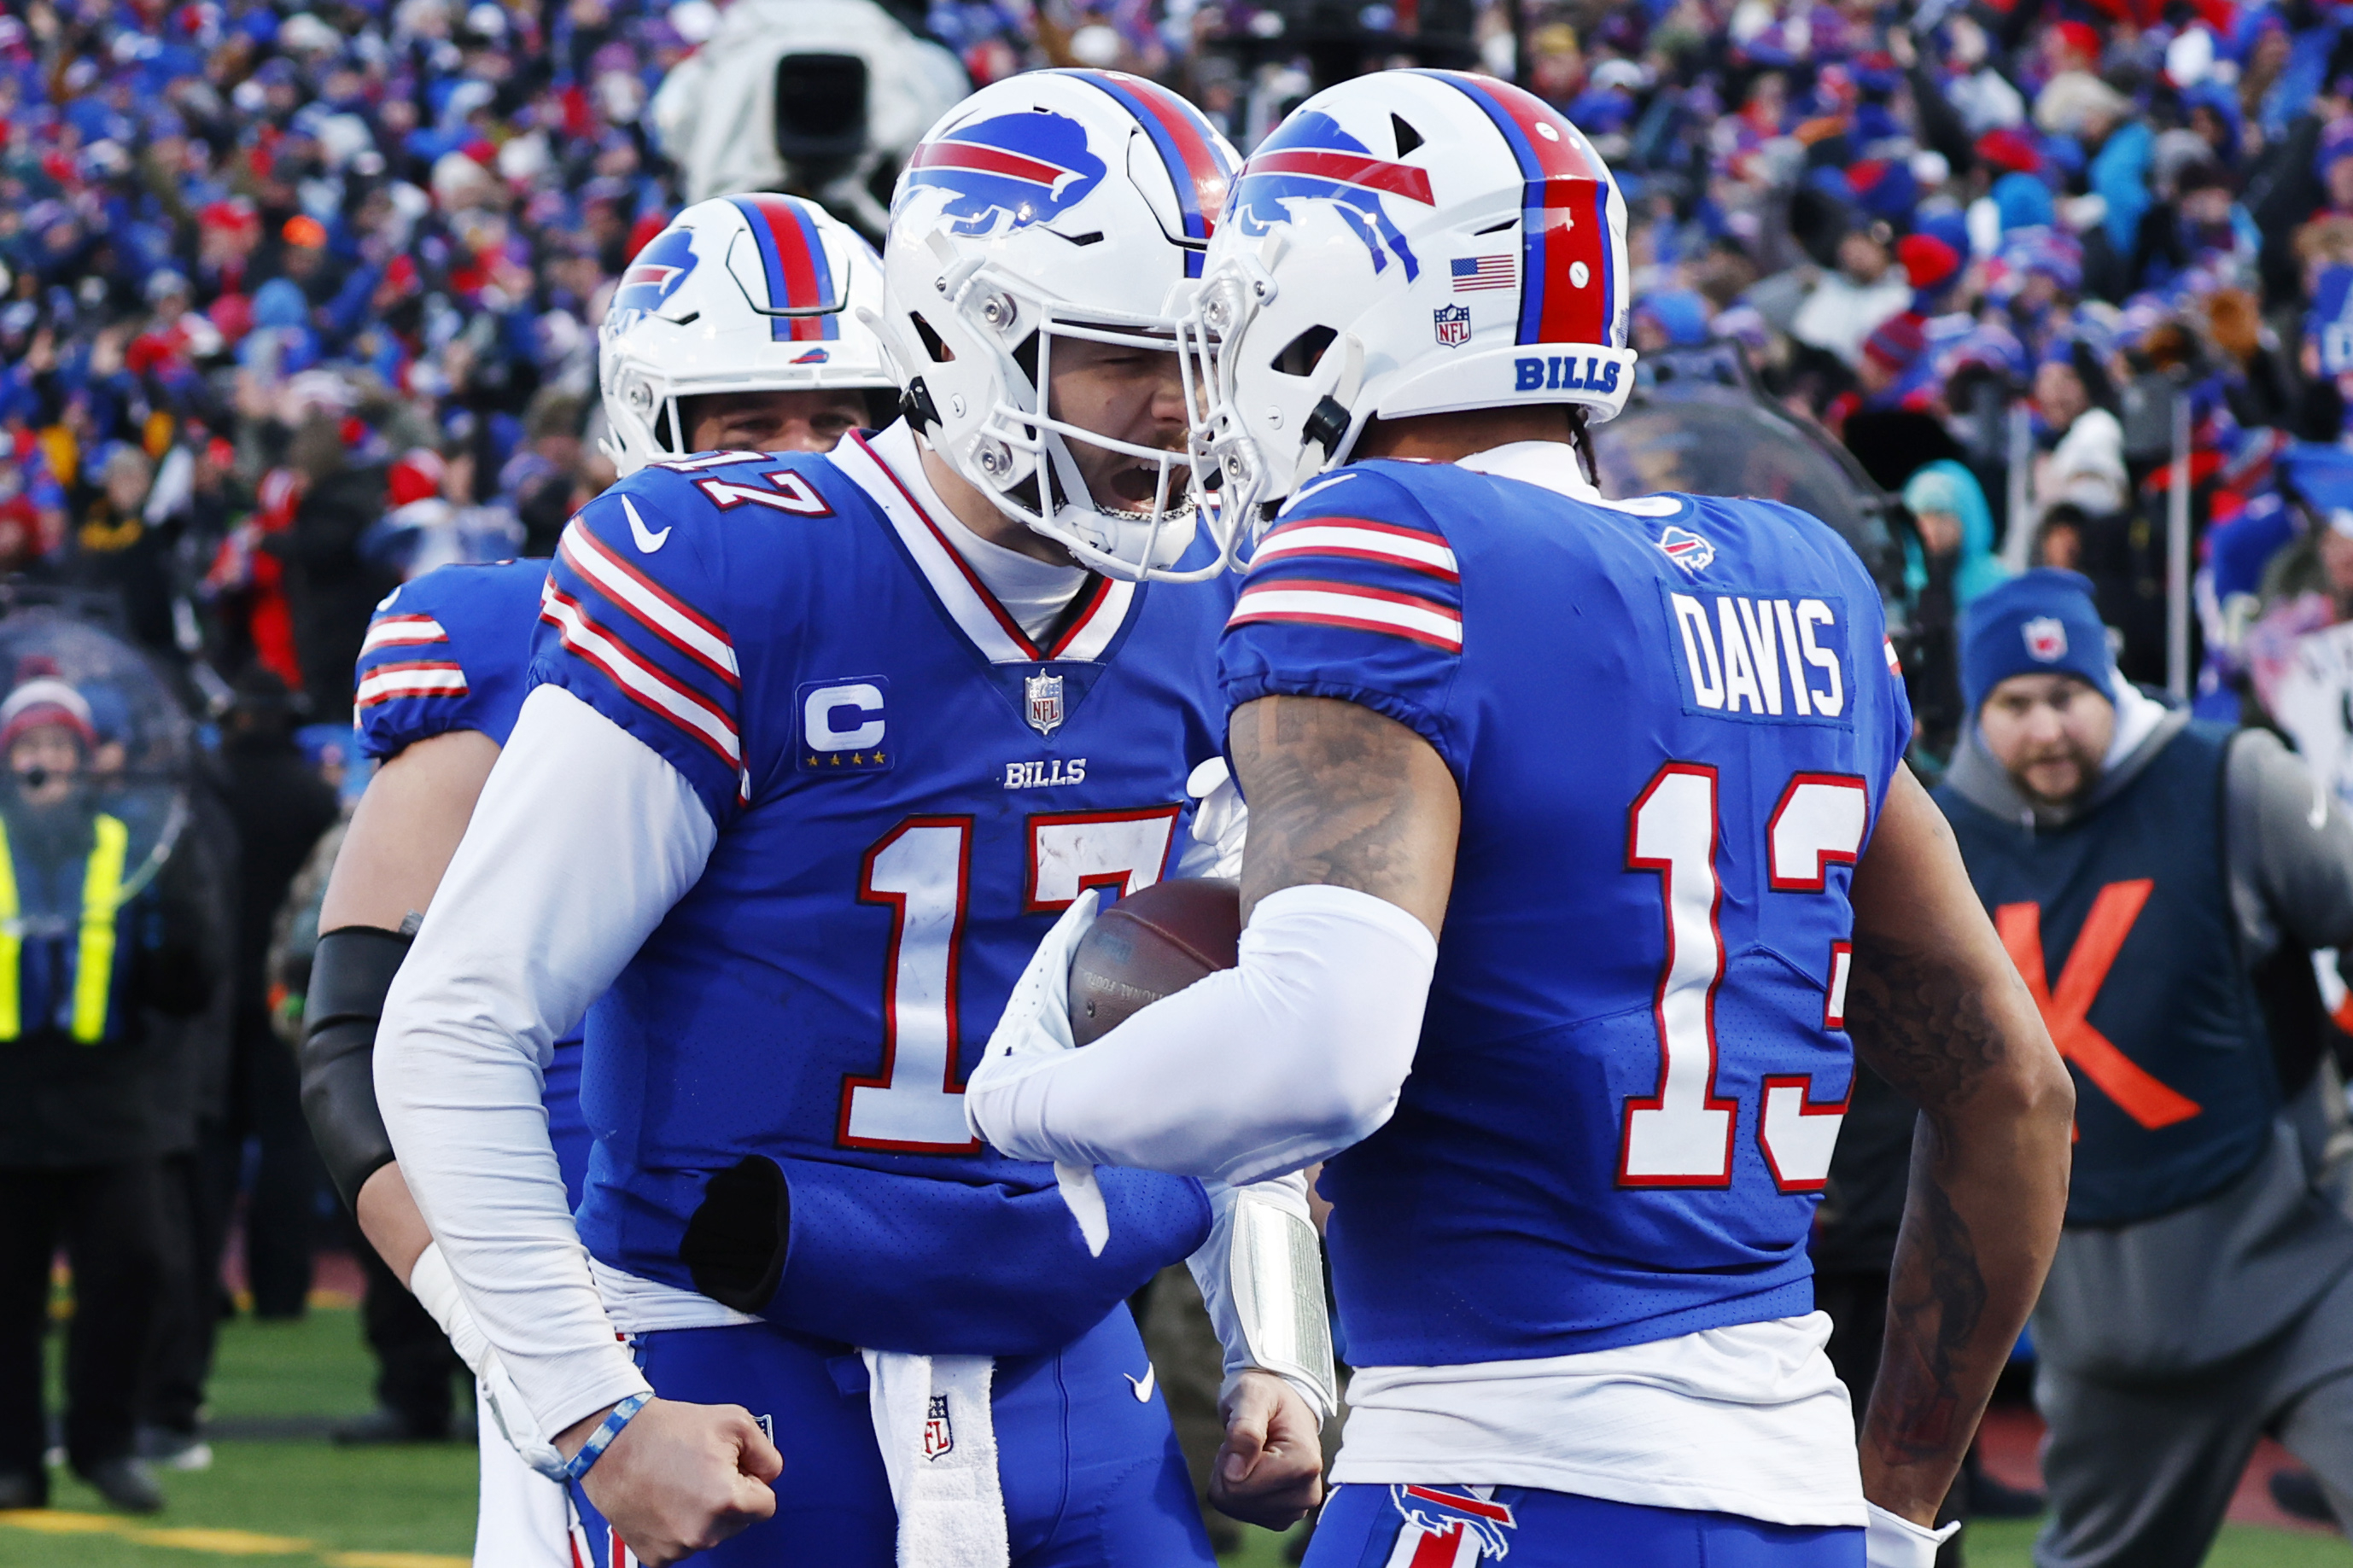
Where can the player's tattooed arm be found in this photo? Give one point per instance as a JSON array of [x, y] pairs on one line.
[[1936, 1007], [1341, 797]]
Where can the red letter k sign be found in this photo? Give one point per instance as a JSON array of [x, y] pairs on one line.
[[2140, 1095]]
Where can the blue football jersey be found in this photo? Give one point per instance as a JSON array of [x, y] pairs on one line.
[[1672, 721], [908, 790], [448, 651]]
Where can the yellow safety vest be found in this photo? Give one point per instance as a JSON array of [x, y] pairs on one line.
[[102, 895]]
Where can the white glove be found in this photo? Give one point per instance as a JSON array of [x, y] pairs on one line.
[[1034, 1030], [1891, 1540], [1221, 823], [435, 1290]]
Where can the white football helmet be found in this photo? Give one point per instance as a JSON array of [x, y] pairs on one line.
[[1412, 242], [1055, 204], [750, 293]]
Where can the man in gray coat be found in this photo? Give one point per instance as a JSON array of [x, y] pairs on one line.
[[2161, 885]]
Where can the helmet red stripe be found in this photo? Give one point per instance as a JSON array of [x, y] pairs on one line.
[[947, 154], [1348, 168], [1566, 223], [800, 265]]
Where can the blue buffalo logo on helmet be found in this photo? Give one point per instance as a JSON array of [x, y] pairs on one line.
[[1310, 159], [1005, 173], [657, 272]]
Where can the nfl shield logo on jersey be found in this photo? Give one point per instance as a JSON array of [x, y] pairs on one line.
[[1045, 694], [2046, 639], [1686, 549], [1445, 1528], [1453, 323], [938, 1436]]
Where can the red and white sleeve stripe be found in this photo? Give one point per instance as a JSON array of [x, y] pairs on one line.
[[649, 605], [401, 631], [649, 687], [411, 678], [1308, 602], [1354, 539]]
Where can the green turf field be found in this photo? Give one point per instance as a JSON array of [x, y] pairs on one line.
[[296, 1501]]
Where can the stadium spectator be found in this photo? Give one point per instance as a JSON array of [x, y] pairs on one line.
[[86, 1123], [280, 807], [2160, 884]]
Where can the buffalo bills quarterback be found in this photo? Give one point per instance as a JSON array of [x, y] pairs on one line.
[[1582, 859], [441, 675], [820, 747]]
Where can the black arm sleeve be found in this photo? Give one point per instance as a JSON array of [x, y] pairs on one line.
[[349, 977]]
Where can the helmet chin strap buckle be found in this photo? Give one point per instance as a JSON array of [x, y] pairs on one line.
[[916, 407], [1326, 424]]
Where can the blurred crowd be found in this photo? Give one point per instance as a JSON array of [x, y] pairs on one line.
[[299, 304]]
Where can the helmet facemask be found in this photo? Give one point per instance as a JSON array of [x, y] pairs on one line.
[[1024, 451]]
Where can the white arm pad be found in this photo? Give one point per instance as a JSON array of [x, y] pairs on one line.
[[1254, 1071], [581, 842], [1261, 1276]]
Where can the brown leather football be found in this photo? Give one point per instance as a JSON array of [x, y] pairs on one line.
[[1150, 944]]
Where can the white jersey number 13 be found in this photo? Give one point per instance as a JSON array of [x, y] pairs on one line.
[[1682, 1136]]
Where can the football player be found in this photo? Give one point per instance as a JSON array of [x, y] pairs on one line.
[[819, 749], [1582, 859], [442, 673]]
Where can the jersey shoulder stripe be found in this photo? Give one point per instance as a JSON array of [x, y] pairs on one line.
[[641, 679], [1361, 539], [1357, 551], [402, 631], [1321, 603], [411, 678], [646, 602]]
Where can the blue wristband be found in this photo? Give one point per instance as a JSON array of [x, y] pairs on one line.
[[602, 1438]]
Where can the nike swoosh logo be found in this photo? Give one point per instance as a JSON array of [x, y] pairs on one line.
[[648, 541], [1144, 1390]]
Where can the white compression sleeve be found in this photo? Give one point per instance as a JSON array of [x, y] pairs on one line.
[[581, 842], [1254, 1071]]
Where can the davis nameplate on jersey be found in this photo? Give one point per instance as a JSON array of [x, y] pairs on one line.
[[1774, 660], [1448, 1529], [939, 1437], [844, 728], [1453, 323], [1043, 695]]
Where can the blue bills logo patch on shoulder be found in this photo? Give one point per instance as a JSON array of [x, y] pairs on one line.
[[1686, 549]]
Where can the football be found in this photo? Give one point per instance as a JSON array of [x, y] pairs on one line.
[[1152, 943]]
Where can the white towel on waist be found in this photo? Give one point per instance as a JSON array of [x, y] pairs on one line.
[[938, 1436]]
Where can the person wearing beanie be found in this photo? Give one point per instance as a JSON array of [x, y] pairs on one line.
[[93, 954], [2160, 885]]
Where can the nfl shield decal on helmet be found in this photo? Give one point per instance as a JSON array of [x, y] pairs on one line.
[[939, 1437], [1448, 1528], [1045, 702], [1452, 325], [2046, 639], [1686, 549]]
